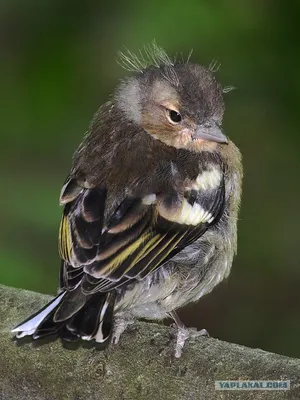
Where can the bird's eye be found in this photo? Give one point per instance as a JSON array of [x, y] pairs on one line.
[[174, 116]]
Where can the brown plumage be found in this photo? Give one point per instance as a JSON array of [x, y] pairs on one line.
[[150, 205]]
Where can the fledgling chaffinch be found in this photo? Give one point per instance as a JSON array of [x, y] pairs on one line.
[[150, 205]]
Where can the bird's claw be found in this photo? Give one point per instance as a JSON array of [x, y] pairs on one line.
[[120, 325], [183, 334]]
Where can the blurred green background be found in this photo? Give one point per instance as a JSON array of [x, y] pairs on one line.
[[58, 64]]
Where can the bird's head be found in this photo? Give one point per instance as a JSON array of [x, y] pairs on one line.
[[180, 104]]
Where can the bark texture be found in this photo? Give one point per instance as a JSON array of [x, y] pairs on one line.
[[141, 367]]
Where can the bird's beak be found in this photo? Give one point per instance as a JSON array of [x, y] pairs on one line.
[[210, 132]]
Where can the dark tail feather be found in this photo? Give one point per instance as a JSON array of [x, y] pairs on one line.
[[89, 319], [105, 327], [94, 316]]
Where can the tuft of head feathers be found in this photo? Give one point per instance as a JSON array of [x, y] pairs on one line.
[[151, 55], [214, 66], [228, 89]]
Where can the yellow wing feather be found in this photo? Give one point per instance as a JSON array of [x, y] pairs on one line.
[[65, 241], [116, 261]]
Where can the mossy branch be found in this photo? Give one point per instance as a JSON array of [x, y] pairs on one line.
[[141, 367]]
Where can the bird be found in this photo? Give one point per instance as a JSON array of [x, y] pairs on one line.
[[150, 206]]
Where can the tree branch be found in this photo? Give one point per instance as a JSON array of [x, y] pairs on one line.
[[141, 367]]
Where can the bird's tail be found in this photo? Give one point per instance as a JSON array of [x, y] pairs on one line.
[[72, 315]]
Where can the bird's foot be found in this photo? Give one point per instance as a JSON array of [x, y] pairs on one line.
[[184, 333], [120, 325]]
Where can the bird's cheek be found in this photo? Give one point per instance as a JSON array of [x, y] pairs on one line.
[[184, 136], [186, 132], [179, 141]]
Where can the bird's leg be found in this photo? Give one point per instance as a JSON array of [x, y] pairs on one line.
[[184, 333], [120, 324]]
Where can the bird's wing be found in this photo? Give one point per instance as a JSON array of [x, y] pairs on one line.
[[141, 234]]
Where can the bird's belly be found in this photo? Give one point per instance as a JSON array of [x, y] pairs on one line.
[[144, 299], [175, 284]]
